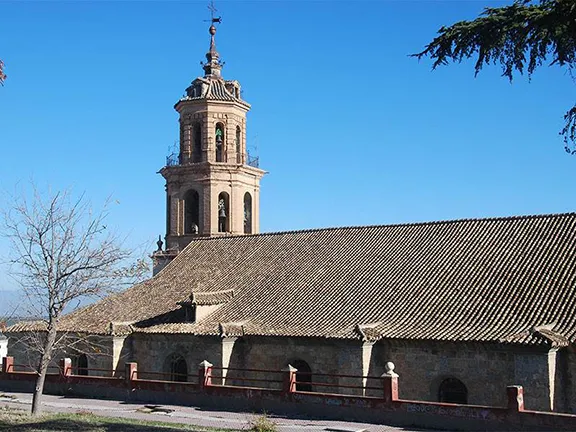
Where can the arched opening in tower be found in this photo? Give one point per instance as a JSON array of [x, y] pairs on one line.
[[247, 213], [219, 142], [223, 212], [191, 212]]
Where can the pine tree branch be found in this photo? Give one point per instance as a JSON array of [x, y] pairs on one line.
[[519, 37]]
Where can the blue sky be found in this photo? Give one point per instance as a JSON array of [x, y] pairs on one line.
[[351, 129]]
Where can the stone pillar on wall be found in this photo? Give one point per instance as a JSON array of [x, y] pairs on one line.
[[552, 377], [227, 349], [390, 383], [121, 350], [355, 360], [536, 372], [560, 380], [366, 358]]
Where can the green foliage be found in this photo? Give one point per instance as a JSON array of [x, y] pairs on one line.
[[263, 424], [19, 421], [519, 37]]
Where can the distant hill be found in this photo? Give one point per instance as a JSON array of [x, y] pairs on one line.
[[9, 302], [13, 303]]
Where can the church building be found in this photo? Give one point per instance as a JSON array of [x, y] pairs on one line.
[[462, 308]]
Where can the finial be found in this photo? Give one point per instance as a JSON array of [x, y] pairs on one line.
[[389, 366], [213, 66], [160, 243]]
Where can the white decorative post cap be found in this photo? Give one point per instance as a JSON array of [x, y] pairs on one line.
[[205, 364], [289, 368], [390, 370]]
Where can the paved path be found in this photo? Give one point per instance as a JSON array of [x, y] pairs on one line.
[[188, 415]]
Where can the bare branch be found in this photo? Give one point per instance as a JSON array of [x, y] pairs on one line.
[[62, 253]]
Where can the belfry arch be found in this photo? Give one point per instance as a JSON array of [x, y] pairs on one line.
[[223, 212], [247, 213], [220, 140], [191, 212]]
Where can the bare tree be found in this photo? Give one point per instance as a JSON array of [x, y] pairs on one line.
[[62, 252]]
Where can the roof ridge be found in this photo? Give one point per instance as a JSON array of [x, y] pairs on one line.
[[393, 225]]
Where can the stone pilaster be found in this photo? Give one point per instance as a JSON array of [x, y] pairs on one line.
[[227, 349]]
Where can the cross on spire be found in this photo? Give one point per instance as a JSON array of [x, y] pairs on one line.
[[213, 10]]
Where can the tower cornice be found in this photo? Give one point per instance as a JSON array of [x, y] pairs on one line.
[[208, 167], [244, 106]]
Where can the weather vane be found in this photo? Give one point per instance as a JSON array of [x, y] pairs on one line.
[[213, 10]]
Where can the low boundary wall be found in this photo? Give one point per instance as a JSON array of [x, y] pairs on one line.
[[387, 409]]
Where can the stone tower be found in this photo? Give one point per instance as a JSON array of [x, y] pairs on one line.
[[212, 183]]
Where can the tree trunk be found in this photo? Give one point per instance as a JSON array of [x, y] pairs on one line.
[[45, 358]]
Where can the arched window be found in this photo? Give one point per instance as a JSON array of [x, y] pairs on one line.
[[197, 148], [191, 212], [177, 368], [223, 212], [82, 365], [220, 142], [303, 375], [247, 213], [238, 145], [453, 390]]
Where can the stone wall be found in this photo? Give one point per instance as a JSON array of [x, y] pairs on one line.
[[568, 356], [323, 356], [99, 351], [485, 369], [387, 409], [152, 352]]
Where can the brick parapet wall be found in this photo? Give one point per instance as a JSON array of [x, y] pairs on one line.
[[386, 408]]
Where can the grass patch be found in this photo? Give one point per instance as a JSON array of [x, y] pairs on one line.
[[263, 424], [15, 420]]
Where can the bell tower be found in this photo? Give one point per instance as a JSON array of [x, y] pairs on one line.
[[212, 182]]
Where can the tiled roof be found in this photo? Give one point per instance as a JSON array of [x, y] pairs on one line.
[[215, 89], [510, 280], [211, 298]]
